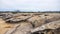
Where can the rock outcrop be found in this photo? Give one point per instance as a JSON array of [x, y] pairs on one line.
[[49, 26], [29, 23]]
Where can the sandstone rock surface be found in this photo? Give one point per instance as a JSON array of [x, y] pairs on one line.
[[29, 23]]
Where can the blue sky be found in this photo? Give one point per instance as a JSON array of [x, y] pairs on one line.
[[30, 5]]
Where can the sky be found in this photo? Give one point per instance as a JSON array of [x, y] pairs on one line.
[[30, 5]]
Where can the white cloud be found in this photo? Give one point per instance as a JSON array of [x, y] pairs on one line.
[[42, 5]]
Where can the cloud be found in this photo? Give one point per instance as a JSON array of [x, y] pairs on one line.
[[42, 5]]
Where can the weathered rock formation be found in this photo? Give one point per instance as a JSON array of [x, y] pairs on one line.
[[49, 26], [30, 23]]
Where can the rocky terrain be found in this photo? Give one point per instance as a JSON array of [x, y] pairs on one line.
[[29, 23]]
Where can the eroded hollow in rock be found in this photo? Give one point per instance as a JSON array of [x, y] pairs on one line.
[[38, 33], [35, 33]]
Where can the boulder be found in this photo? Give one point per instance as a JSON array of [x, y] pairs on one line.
[[23, 28], [36, 21], [51, 25], [18, 19], [6, 15]]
